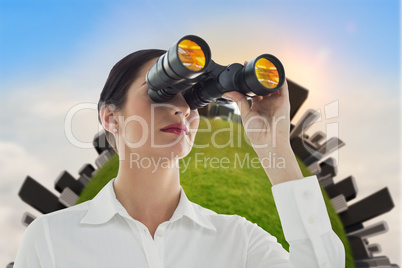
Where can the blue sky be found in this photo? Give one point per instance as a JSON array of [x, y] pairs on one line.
[[38, 36], [44, 32], [56, 54]]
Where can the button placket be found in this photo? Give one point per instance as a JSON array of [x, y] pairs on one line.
[[159, 239], [160, 233], [148, 245]]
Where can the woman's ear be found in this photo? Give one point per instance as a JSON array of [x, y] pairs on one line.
[[109, 117]]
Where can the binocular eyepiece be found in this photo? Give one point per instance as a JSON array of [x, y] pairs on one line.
[[187, 68]]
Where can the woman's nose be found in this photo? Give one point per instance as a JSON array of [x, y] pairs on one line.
[[181, 105]]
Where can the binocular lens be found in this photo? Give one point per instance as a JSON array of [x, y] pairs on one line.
[[267, 74], [187, 68], [191, 55]]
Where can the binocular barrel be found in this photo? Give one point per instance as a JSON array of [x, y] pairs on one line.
[[187, 67]]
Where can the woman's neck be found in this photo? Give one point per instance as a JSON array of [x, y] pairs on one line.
[[149, 193]]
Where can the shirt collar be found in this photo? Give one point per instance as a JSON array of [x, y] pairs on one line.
[[105, 205], [192, 211]]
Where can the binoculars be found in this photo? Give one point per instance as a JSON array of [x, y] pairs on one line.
[[187, 68]]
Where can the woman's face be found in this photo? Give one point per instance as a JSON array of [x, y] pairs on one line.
[[143, 122]]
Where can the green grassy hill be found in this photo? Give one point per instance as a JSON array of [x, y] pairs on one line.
[[240, 190]]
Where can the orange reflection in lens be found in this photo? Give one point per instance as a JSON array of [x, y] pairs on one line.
[[266, 73], [191, 55]]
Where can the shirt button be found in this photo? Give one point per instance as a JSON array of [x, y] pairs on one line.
[[160, 233], [306, 195], [311, 220]]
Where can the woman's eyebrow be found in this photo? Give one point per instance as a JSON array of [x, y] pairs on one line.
[[144, 83]]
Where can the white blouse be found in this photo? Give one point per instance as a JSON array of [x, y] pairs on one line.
[[100, 233]]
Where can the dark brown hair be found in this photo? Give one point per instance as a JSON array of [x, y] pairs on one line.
[[119, 80]]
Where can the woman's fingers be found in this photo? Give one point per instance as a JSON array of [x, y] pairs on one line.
[[240, 100], [284, 91], [257, 99]]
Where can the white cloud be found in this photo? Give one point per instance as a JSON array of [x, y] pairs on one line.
[[15, 164], [15, 161], [34, 143]]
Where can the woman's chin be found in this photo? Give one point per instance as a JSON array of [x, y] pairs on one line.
[[179, 147], [175, 152]]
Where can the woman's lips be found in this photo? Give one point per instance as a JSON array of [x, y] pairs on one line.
[[177, 128], [175, 131]]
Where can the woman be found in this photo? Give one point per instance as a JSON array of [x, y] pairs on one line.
[[142, 217]]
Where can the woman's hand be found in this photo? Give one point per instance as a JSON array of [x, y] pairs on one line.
[[267, 121], [267, 125]]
